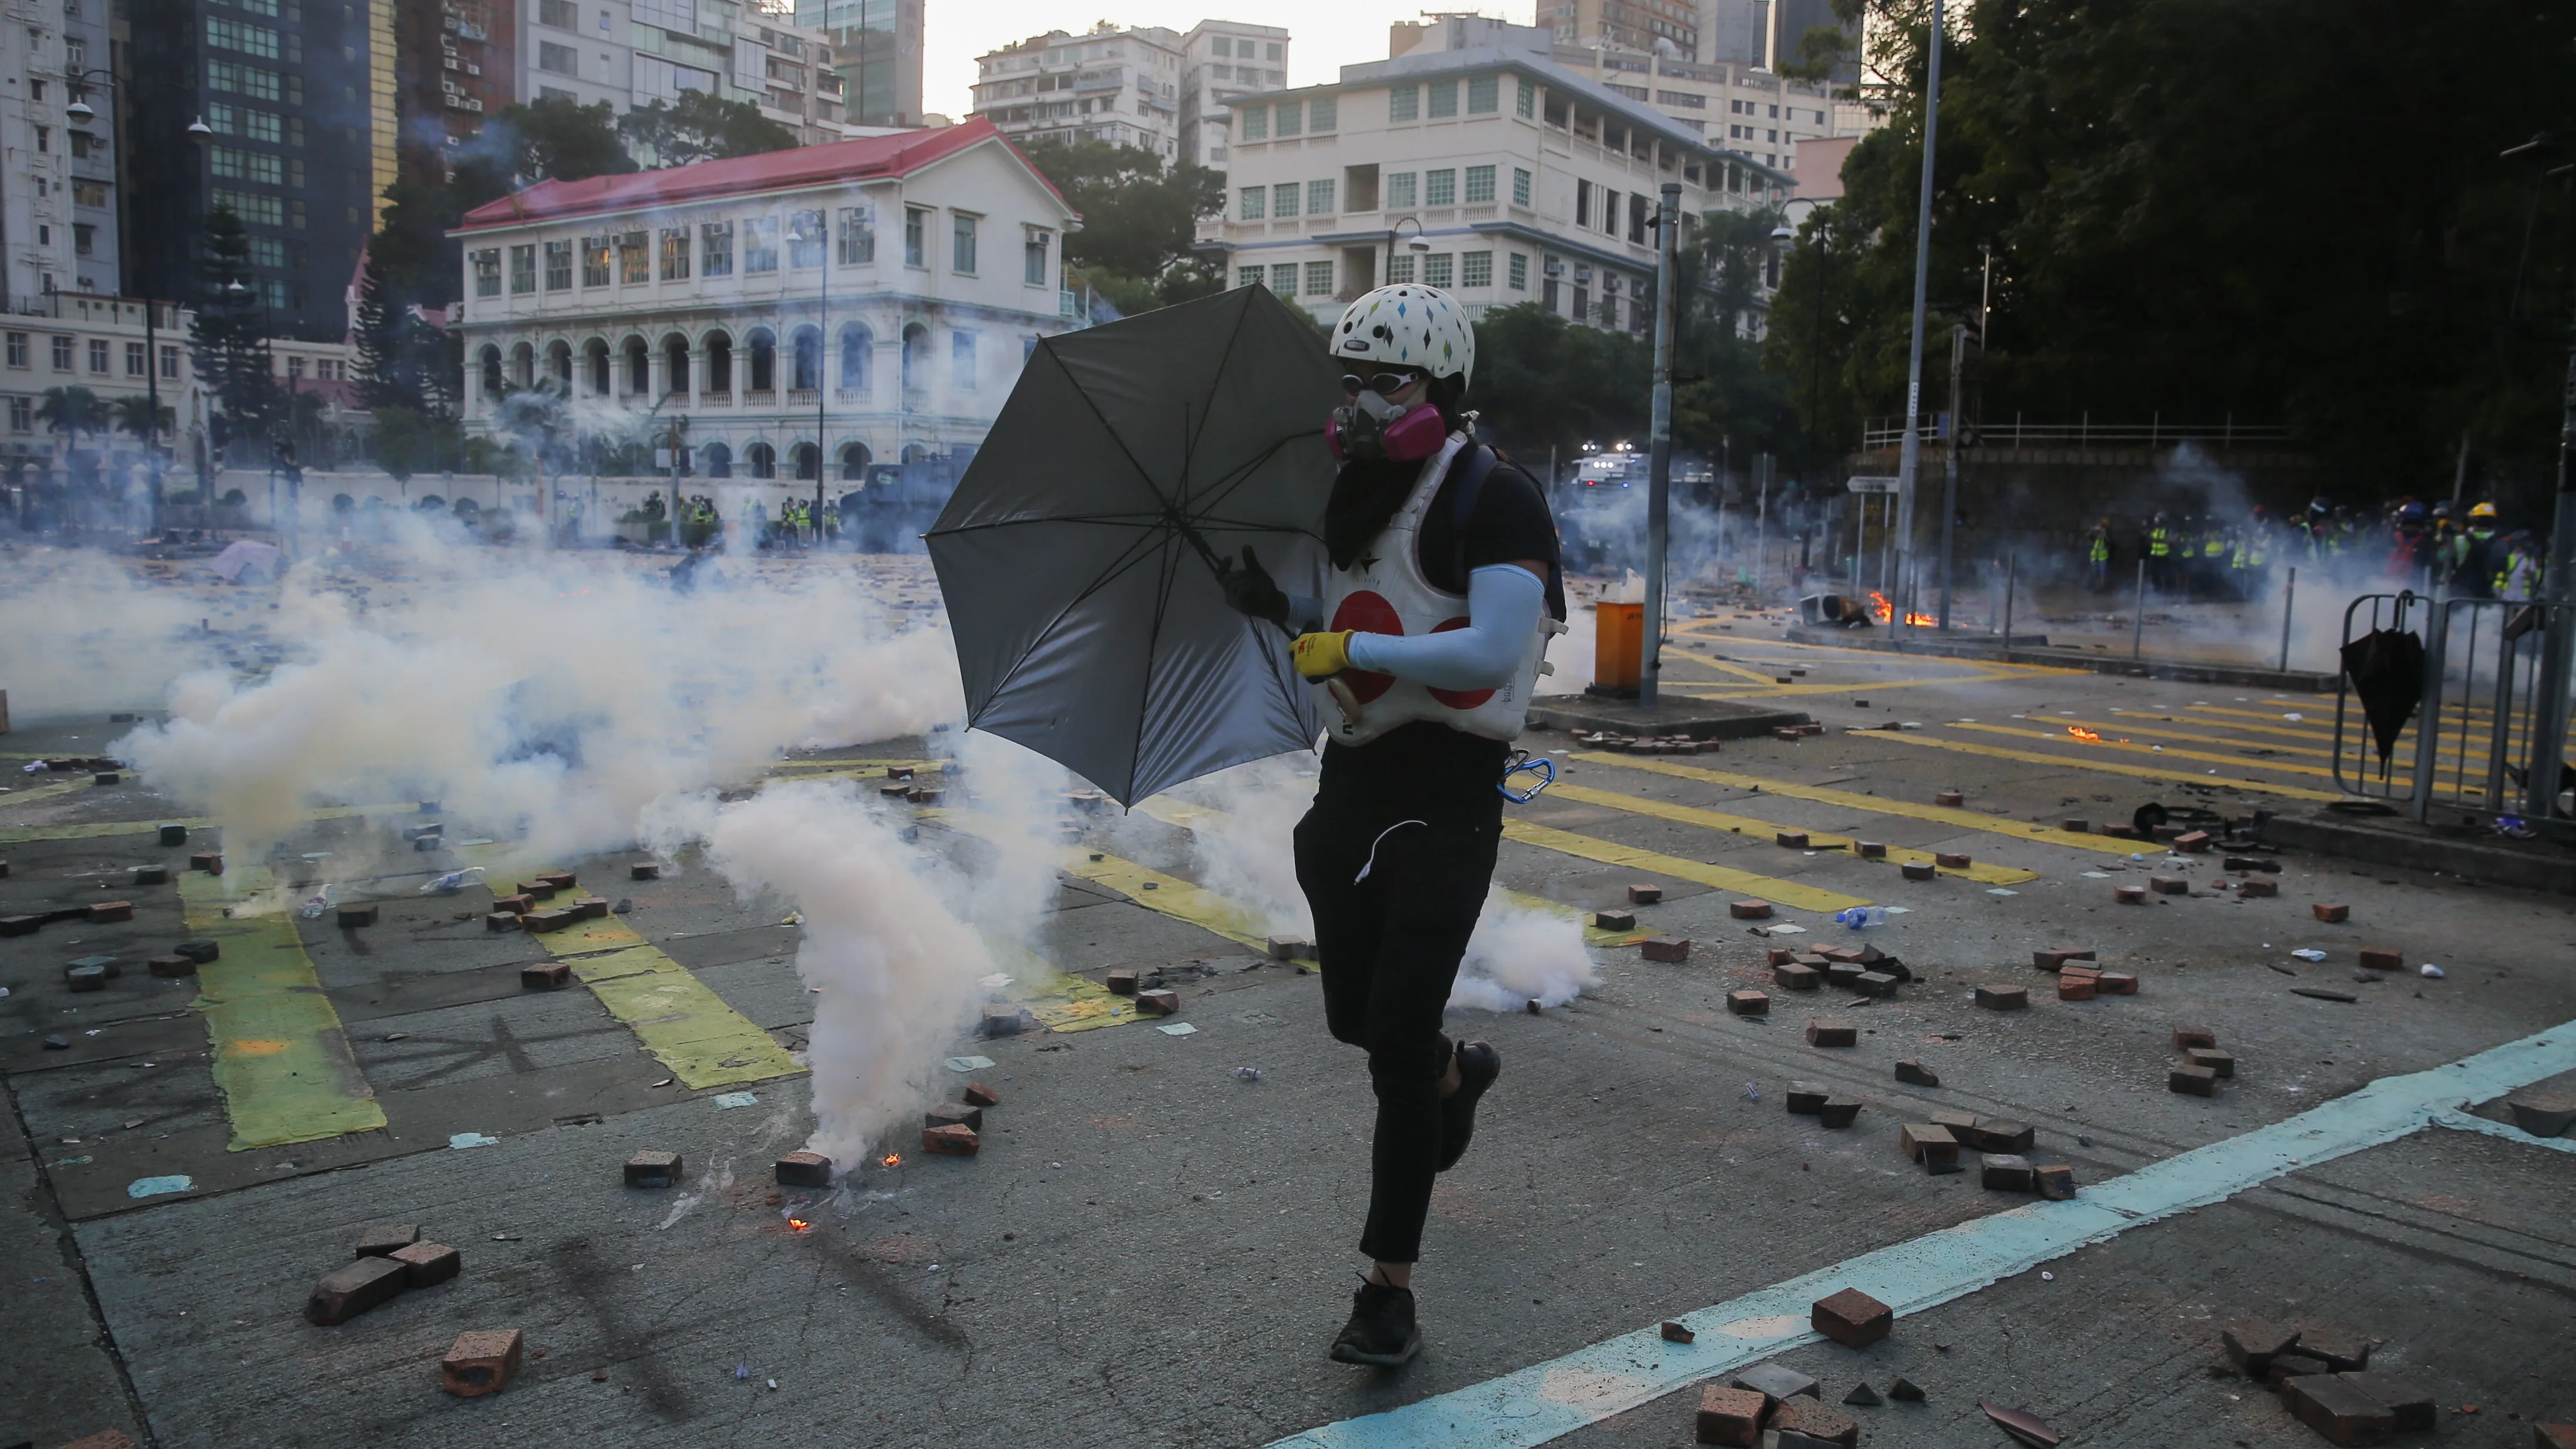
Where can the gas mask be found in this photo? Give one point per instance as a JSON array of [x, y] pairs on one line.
[[1370, 428]]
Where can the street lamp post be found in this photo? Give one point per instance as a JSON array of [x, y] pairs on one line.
[[1419, 245], [2545, 763], [1911, 457]]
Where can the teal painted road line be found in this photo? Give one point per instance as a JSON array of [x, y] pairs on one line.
[[2463, 1122], [1546, 1400]]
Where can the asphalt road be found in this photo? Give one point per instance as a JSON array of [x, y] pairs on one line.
[[1151, 1250]]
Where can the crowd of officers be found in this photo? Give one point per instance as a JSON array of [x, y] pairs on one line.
[[2414, 545], [798, 525]]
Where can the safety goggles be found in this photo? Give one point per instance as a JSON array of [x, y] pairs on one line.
[[1384, 384]]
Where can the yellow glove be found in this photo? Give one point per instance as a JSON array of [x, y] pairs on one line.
[[1320, 656]]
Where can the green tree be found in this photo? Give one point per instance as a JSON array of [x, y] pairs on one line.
[[2289, 212], [135, 414], [552, 138], [407, 442], [1543, 382], [71, 411], [229, 336], [701, 126], [1139, 218]]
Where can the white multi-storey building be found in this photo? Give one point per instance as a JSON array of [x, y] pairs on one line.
[[1220, 61], [631, 53], [1117, 85], [108, 346], [875, 297], [58, 192], [1494, 174]]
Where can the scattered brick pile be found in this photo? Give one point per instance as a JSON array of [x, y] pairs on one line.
[[955, 1129], [2203, 1065], [1645, 745], [2325, 1380], [390, 1260], [1865, 971], [1771, 1404]]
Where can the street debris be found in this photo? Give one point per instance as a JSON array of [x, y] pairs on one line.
[[157, 1186], [463, 1140], [1665, 948], [649, 1168], [2543, 1114], [2024, 1426], [482, 1361], [1676, 1333], [1863, 1395], [727, 1101], [804, 1169], [1177, 1028], [1851, 1318]]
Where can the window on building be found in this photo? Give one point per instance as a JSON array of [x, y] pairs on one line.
[[561, 14], [1243, 277], [98, 354], [1274, 51], [1484, 95], [715, 249], [961, 245], [1252, 123], [1520, 186], [1637, 217], [1476, 269], [1440, 188], [806, 239], [558, 59], [1292, 115], [1035, 243], [675, 254], [634, 258], [1438, 268], [916, 237], [17, 349], [523, 269], [249, 39], [84, 238], [88, 193], [1610, 211], [1480, 184], [961, 361], [559, 266], [1283, 278], [487, 272], [1319, 279], [1404, 103], [858, 235], [248, 80], [235, 164], [169, 363], [1444, 98], [1283, 199], [1324, 113], [1401, 189], [1255, 203], [1399, 268], [1525, 103], [22, 415], [594, 261], [759, 244], [1319, 198], [1519, 272], [1221, 45]]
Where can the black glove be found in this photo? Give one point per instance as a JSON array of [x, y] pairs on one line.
[[1249, 589]]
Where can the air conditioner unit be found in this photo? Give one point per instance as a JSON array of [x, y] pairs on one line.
[[1552, 267], [1583, 274], [1609, 286]]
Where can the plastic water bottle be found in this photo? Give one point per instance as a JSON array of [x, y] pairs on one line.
[[454, 881], [316, 904], [1858, 917]]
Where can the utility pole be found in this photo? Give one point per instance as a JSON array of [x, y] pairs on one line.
[[1659, 458], [1950, 465], [1910, 459], [2549, 730]]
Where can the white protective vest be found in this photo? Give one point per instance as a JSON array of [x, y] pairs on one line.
[[1385, 592]]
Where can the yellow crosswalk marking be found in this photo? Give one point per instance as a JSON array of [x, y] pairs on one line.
[[105, 828], [1854, 800], [2203, 756], [281, 1057], [1746, 824], [30, 794], [2107, 767], [680, 1020], [2317, 734], [1718, 877]]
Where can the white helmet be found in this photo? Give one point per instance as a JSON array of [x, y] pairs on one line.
[[1410, 326]]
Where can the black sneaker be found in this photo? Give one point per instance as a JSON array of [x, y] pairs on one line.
[[1478, 1065], [1381, 1331]]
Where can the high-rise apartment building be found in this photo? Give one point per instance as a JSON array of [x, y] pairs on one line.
[[59, 195], [299, 98], [631, 53], [456, 63], [1117, 85], [1657, 27], [1220, 60], [877, 46]]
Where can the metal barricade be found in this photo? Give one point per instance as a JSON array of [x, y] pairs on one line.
[[2479, 720]]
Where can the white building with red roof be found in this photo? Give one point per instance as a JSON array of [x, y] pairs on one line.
[[816, 309]]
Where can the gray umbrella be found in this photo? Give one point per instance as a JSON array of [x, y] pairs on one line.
[[1079, 556]]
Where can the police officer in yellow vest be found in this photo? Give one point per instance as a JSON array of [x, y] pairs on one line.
[[2097, 557], [1443, 594], [2160, 553]]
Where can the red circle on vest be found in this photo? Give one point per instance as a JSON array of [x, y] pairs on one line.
[[1369, 613], [1458, 698]]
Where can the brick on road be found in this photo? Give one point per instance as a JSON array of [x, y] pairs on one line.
[[1730, 1416], [1832, 1031], [380, 1240], [2192, 1082], [2337, 1410], [1665, 948], [1645, 895], [2003, 998], [482, 1361], [347, 1292], [1915, 1074], [1815, 1419], [1851, 1318], [2004, 1172], [952, 1141], [1748, 1003], [653, 1169], [425, 1264], [2409, 1402], [804, 1169]]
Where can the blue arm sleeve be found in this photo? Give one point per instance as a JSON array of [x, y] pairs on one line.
[[1503, 604]]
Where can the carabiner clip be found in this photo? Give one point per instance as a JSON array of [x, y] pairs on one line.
[[1522, 764]]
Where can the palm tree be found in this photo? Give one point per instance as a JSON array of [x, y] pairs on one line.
[[73, 410], [134, 414]]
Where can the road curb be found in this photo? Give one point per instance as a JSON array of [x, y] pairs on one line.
[[1699, 719], [2246, 676], [2405, 846]]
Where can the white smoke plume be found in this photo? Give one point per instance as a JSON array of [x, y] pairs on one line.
[[550, 696], [1520, 954], [80, 635], [886, 944]]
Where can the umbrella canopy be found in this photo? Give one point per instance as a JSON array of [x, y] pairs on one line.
[[1078, 557], [2386, 667]]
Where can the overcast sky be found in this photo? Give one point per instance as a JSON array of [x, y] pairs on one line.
[[1325, 35]]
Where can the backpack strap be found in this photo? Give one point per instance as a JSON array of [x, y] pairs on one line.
[[1462, 504]]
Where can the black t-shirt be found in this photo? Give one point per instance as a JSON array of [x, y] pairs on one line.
[[1426, 769]]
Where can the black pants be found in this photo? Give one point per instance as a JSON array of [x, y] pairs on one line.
[[1389, 948]]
